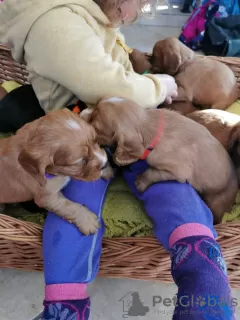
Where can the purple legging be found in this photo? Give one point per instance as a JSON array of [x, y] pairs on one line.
[[182, 223]]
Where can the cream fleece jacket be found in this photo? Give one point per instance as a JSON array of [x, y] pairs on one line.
[[70, 52]]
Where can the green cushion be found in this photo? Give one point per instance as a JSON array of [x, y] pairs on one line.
[[123, 214]]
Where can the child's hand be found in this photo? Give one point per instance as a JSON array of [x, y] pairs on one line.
[[172, 90]]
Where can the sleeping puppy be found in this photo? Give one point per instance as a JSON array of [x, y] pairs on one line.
[[182, 150], [202, 82], [224, 126], [63, 145]]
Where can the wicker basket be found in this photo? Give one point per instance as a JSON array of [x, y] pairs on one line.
[[137, 258]]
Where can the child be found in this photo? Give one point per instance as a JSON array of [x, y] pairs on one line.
[[74, 49], [182, 223]]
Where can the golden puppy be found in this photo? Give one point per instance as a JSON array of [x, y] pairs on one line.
[[224, 126], [61, 144], [202, 82], [182, 149], [140, 61]]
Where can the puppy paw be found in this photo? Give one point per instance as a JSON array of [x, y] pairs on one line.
[[140, 185], [88, 223]]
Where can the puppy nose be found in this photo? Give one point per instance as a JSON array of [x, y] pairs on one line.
[[104, 165]]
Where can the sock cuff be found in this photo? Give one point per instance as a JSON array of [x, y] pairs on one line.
[[189, 230], [66, 291]]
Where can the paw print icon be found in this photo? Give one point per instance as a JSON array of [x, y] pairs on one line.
[[201, 301]]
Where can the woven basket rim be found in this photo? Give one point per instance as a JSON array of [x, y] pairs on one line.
[[131, 257]]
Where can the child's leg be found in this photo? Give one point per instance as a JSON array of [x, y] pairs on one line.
[[184, 225], [71, 260]]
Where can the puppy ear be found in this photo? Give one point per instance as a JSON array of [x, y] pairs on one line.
[[34, 164], [129, 148], [172, 62], [177, 55], [86, 114]]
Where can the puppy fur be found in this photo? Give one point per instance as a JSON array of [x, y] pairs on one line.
[[140, 61], [202, 82], [186, 151], [62, 144], [224, 126]]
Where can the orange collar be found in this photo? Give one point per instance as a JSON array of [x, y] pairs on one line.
[[155, 140], [76, 109]]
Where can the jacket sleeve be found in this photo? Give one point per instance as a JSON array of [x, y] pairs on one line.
[[64, 48]]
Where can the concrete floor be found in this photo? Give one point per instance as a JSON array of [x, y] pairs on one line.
[[21, 293]]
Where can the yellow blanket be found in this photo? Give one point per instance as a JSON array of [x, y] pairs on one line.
[[234, 108]]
